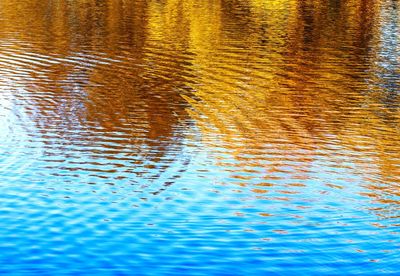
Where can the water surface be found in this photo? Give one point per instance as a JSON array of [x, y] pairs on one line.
[[213, 137]]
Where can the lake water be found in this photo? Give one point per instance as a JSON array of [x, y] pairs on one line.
[[211, 137]]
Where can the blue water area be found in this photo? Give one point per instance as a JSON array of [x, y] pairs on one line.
[[232, 137]]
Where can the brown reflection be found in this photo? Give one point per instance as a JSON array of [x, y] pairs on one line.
[[99, 55], [95, 77]]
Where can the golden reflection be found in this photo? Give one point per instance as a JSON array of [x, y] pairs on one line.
[[284, 82], [302, 95]]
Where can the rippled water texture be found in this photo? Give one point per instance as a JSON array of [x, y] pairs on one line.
[[212, 137]]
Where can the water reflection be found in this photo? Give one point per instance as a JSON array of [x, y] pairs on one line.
[[272, 121]]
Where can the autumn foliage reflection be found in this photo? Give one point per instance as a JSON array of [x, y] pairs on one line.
[[287, 76]]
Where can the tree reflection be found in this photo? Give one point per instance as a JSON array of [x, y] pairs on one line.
[[284, 81]]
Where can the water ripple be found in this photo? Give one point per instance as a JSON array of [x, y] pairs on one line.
[[215, 137]]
